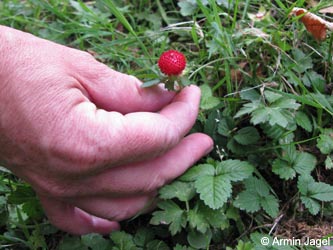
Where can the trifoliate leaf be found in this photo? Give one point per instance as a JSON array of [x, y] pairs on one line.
[[123, 240], [303, 183], [276, 117], [95, 242], [283, 169], [325, 141], [248, 108], [260, 115], [311, 204], [199, 170], [248, 201], [208, 101], [199, 240], [320, 191], [247, 136], [270, 204], [234, 170], [305, 163], [256, 185], [225, 126], [171, 214], [303, 121], [183, 191], [213, 190], [197, 221]]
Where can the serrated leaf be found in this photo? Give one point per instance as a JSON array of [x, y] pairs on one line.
[[183, 191], [123, 240], [303, 183], [260, 115], [283, 169], [285, 103], [303, 121], [171, 214], [247, 136], [208, 101], [325, 141], [249, 108], [270, 204], [320, 191], [276, 117], [197, 221], [214, 190], [305, 163], [329, 163], [225, 126], [312, 205], [197, 171], [248, 201], [234, 170], [199, 240], [257, 186], [187, 7], [216, 218], [95, 242], [143, 236], [271, 96]]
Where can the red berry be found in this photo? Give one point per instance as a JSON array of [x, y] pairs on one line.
[[172, 62]]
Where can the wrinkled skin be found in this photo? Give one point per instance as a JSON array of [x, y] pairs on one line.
[[93, 144]]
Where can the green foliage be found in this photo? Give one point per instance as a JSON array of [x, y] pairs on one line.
[[266, 101]]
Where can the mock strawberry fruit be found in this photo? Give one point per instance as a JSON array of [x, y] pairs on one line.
[[172, 63]]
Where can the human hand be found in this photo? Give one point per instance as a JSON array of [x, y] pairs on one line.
[[93, 144]]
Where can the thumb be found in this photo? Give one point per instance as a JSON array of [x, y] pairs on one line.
[[115, 91]]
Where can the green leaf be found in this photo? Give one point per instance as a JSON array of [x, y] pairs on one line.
[[216, 218], [260, 115], [270, 204], [157, 245], [312, 205], [234, 170], [283, 169], [303, 121], [249, 108], [171, 214], [320, 191], [123, 240], [197, 221], [248, 201], [213, 190], [247, 136], [95, 242], [71, 243], [329, 163], [285, 103], [208, 101], [197, 171], [303, 183], [225, 126], [199, 240], [325, 141], [276, 117], [305, 163], [143, 235], [187, 7], [257, 186], [183, 191]]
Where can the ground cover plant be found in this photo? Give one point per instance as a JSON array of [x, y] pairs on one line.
[[267, 102]]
